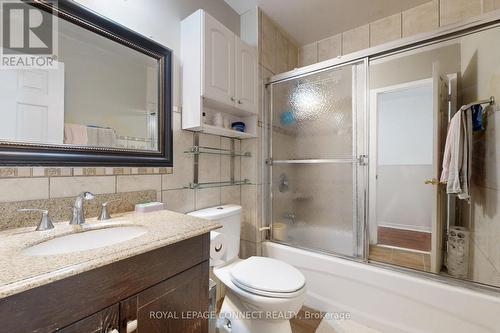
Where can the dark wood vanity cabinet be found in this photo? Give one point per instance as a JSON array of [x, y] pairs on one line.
[[165, 290], [176, 305], [104, 321]]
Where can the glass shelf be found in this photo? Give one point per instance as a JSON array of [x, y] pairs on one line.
[[196, 150], [217, 184]]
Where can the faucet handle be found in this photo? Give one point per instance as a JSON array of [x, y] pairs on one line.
[[45, 221], [103, 213]]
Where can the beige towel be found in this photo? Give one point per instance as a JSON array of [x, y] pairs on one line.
[[75, 134], [457, 155]]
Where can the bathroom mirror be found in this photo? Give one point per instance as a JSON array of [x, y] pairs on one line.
[[104, 98], [413, 221]]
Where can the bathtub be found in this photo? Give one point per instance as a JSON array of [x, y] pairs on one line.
[[387, 300], [321, 237]]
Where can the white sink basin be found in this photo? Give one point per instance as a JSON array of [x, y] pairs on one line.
[[86, 240]]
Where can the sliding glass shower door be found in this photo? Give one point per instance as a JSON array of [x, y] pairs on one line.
[[316, 159]]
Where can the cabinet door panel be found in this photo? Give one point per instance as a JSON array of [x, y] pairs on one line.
[[246, 77], [171, 306], [218, 62], [104, 321]]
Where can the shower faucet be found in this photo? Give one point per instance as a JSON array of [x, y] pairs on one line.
[[290, 216]]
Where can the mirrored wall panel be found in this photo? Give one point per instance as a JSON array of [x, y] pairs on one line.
[[433, 195], [102, 94]]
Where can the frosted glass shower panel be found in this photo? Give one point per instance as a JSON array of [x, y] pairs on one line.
[[315, 137], [313, 115]]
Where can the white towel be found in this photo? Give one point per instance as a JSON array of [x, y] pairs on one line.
[[457, 155]]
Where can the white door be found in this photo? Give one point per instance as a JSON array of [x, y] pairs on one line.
[[402, 150], [440, 101], [32, 105], [219, 62], [246, 77]]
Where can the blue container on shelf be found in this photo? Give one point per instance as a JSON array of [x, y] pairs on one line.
[[238, 126]]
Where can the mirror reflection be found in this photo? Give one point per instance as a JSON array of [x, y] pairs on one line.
[[102, 94], [420, 216]]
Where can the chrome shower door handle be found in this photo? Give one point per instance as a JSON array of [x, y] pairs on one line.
[[432, 181]]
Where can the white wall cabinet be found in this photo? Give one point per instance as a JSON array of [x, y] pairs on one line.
[[219, 74]]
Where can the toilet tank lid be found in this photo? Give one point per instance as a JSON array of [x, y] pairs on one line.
[[218, 212]]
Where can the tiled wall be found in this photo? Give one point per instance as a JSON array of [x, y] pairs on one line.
[[423, 18], [21, 184], [277, 51]]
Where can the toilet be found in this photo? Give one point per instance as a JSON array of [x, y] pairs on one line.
[[262, 294]]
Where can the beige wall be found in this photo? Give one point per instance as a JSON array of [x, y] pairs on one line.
[[423, 18]]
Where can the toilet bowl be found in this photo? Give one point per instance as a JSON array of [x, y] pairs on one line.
[[262, 294]]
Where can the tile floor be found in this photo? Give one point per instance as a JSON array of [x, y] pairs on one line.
[[307, 321]]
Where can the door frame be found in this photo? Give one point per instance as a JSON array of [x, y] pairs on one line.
[[372, 148]]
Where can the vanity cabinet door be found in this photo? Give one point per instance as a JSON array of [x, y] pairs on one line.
[[179, 304], [105, 321]]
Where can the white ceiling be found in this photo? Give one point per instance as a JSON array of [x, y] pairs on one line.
[[311, 20]]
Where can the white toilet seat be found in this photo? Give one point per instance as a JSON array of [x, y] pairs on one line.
[[268, 293], [267, 277]]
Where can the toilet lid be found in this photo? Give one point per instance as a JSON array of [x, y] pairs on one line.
[[267, 275]]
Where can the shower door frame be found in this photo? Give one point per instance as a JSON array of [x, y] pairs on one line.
[[358, 161], [451, 31]]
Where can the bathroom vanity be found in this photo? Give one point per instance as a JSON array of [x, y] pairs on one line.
[[155, 282]]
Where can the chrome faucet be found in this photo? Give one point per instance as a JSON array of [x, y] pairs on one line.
[[45, 221], [77, 216]]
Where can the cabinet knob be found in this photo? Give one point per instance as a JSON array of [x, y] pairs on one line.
[[233, 99], [131, 326], [240, 102]]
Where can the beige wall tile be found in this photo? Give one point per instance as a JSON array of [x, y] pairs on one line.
[[293, 56], [421, 19], [209, 169], [308, 54], [208, 197], [385, 30], [20, 189], [181, 201], [138, 183], [281, 52], [225, 161], [208, 164], [330, 47], [183, 163], [490, 5], [452, 11], [249, 166], [230, 195], [249, 249], [356, 39], [72, 186], [249, 221], [268, 33]]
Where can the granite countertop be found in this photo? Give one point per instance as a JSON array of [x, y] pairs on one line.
[[20, 272]]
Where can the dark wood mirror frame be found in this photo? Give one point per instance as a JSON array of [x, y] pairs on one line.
[[59, 155]]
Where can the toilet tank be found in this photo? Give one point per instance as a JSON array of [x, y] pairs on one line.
[[229, 216]]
